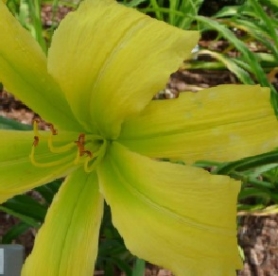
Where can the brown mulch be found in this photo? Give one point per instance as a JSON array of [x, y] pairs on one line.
[[258, 236], [27, 239]]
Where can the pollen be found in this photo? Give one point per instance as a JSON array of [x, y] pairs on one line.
[[36, 141], [52, 129], [81, 146]]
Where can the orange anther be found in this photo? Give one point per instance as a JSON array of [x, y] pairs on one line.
[[52, 129], [36, 120], [81, 138], [87, 152], [36, 141], [81, 145], [80, 142]]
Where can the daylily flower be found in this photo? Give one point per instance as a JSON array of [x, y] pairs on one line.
[[106, 136]]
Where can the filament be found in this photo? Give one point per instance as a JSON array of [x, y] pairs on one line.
[[59, 149], [46, 164], [36, 127], [98, 157]]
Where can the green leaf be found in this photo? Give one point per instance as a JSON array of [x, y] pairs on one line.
[[242, 75], [227, 11], [266, 20], [139, 267], [28, 220], [248, 56], [189, 8], [178, 13], [109, 269], [49, 190], [111, 247], [252, 180], [257, 32], [134, 3], [264, 168], [248, 163], [12, 124], [14, 232], [122, 265], [250, 208], [254, 192], [26, 206], [36, 29]]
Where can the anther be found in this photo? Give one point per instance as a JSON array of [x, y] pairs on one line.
[[86, 152], [81, 140], [81, 148], [54, 149], [36, 120], [91, 164], [52, 129], [36, 141], [81, 144]]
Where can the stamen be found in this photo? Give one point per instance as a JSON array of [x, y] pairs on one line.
[[59, 149], [52, 148], [81, 148], [36, 127], [95, 161], [52, 129], [81, 141], [85, 156], [77, 158], [36, 141], [86, 152], [47, 164]]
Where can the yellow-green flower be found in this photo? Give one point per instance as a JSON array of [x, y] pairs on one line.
[[106, 136]]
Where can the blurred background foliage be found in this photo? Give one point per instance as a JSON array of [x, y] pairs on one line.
[[247, 30]]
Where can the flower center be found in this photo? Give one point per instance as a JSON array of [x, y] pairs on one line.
[[86, 149]]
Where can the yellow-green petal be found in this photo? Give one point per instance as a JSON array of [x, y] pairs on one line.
[[17, 174], [108, 75], [23, 72], [176, 216], [67, 243], [223, 123]]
